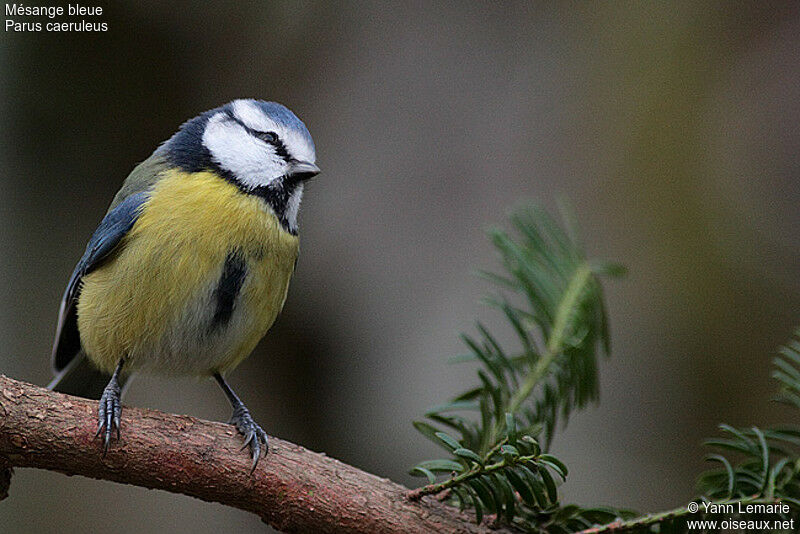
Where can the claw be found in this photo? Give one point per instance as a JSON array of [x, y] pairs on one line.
[[248, 439], [108, 414], [256, 456], [254, 435]]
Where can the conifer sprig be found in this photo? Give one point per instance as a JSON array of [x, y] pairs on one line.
[[496, 434]]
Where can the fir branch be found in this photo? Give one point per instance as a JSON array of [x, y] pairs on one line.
[[496, 461], [555, 343], [476, 471]]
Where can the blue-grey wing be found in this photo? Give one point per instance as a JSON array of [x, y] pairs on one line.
[[105, 239]]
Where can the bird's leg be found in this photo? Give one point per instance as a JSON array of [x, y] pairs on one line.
[[110, 408], [253, 434]]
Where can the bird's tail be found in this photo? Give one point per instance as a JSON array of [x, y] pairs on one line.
[[81, 378]]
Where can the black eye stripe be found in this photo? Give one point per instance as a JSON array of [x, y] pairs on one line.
[[268, 137], [273, 139], [280, 149]]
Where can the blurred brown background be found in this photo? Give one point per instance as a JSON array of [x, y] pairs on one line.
[[674, 129]]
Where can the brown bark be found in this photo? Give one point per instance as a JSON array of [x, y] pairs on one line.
[[293, 489]]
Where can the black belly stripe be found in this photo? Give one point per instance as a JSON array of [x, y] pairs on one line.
[[230, 283]]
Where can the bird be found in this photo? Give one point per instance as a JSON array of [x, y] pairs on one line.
[[191, 264]]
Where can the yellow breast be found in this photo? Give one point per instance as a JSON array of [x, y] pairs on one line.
[[152, 302]]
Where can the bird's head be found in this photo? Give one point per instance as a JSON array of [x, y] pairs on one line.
[[261, 147]]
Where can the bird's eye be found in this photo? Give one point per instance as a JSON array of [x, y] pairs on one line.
[[269, 137]]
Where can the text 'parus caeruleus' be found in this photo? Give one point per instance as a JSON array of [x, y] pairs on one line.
[[191, 264]]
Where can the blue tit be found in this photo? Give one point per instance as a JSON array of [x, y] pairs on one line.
[[191, 264]]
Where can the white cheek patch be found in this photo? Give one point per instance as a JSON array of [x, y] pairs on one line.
[[298, 147], [253, 162], [293, 207]]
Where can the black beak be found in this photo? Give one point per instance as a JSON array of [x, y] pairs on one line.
[[303, 170]]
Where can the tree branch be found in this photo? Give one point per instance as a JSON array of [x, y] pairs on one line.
[[293, 489]]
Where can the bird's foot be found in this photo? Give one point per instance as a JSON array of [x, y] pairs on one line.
[[254, 435], [108, 413]]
